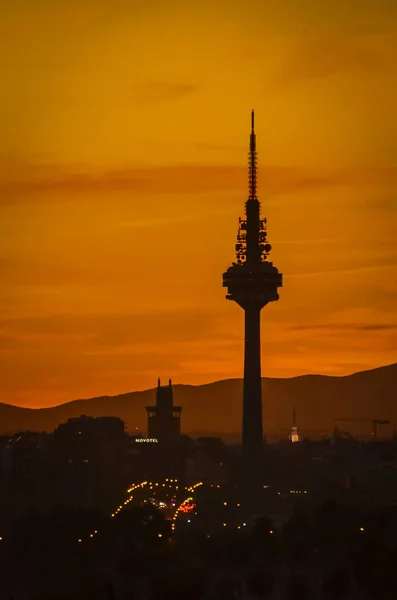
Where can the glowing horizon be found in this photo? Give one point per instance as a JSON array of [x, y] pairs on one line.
[[123, 174]]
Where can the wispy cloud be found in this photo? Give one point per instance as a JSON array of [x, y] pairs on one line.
[[348, 327], [216, 147], [106, 330], [384, 263], [315, 57], [16, 184], [149, 222], [161, 91], [381, 203]]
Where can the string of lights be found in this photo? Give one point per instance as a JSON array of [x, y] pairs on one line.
[[186, 506], [151, 485]]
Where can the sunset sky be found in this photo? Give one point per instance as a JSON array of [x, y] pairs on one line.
[[123, 171]]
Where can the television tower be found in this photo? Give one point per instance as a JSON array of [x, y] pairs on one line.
[[252, 283]]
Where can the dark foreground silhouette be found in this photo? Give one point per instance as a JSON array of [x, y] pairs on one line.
[[335, 552]]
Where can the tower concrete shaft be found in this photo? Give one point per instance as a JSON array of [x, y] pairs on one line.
[[252, 283], [252, 434]]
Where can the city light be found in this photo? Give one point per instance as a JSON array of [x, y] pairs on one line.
[[187, 506]]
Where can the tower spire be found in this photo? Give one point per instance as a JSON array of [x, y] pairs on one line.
[[252, 159]]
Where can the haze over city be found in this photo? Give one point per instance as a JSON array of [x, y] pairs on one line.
[[123, 172]]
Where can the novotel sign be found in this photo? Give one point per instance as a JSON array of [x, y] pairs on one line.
[[147, 440]]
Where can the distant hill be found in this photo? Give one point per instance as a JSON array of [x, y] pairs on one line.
[[216, 408]]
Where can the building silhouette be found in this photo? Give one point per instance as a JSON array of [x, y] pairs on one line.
[[164, 419], [252, 283]]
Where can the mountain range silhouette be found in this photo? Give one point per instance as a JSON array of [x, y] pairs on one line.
[[216, 408]]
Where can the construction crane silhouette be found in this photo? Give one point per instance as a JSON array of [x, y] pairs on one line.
[[375, 423]]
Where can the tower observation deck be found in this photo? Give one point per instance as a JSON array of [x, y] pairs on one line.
[[252, 282]]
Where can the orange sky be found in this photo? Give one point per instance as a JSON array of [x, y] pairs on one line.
[[123, 152]]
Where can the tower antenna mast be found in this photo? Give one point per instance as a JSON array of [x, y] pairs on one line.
[[252, 283], [252, 160]]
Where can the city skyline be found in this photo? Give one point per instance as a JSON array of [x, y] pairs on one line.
[[123, 172]]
